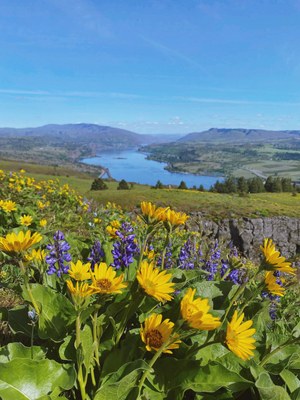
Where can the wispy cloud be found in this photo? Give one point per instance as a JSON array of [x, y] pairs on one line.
[[83, 94], [167, 51], [235, 101]]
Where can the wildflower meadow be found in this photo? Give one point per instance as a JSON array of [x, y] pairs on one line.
[[96, 303]]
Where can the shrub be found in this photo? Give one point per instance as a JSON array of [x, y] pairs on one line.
[[99, 184], [123, 185]]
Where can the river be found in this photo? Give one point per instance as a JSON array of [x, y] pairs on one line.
[[133, 166]]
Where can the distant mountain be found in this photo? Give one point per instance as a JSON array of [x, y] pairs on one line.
[[237, 135]]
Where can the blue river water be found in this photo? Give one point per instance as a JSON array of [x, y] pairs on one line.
[[133, 166]]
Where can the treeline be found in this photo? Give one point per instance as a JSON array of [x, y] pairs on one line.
[[253, 185]]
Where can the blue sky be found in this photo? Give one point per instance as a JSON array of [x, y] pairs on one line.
[[151, 66]]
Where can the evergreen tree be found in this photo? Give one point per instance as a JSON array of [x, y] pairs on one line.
[[201, 188], [99, 184], [277, 185], [182, 185], [159, 185], [269, 184], [286, 184], [230, 185], [242, 185], [123, 185]]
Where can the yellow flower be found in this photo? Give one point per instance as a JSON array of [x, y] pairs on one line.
[[155, 333], [156, 283], [79, 271], [195, 312], [272, 285], [273, 260], [40, 204], [43, 222], [26, 220], [152, 213], [22, 171], [239, 337], [80, 290], [174, 218], [9, 206], [105, 280], [113, 227], [38, 255], [14, 243]]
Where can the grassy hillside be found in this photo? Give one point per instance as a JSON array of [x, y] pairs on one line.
[[212, 205]]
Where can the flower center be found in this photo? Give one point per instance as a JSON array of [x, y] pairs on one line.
[[77, 276], [154, 338], [104, 284]]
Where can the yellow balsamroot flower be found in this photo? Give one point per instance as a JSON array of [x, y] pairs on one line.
[[9, 206], [155, 283], [155, 333], [80, 290], [40, 204], [104, 280], [152, 213], [15, 243], [174, 218], [195, 312], [36, 255], [43, 222], [26, 220], [113, 227], [273, 260], [79, 271], [239, 337], [272, 284]]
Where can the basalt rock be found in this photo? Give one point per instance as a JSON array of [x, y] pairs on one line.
[[247, 234]]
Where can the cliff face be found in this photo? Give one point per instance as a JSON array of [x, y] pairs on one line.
[[247, 234]]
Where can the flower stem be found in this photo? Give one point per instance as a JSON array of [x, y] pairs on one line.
[[282, 346], [80, 378], [27, 286]]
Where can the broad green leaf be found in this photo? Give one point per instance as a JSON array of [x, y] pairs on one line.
[[18, 350], [121, 383], [171, 373], [67, 350], [296, 331], [86, 337], [24, 379], [18, 320], [57, 312], [290, 379], [268, 390], [129, 350], [296, 395]]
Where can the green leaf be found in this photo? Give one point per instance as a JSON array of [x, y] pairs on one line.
[[290, 379], [24, 379], [18, 350], [57, 312], [127, 351], [296, 331], [67, 350], [296, 395], [182, 375], [118, 385], [268, 390], [18, 320], [86, 337]]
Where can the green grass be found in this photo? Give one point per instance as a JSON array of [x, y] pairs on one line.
[[211, 205]]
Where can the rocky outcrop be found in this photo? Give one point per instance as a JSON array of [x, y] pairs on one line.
[[247, 234]]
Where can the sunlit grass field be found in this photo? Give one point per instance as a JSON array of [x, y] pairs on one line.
[[211, 205]]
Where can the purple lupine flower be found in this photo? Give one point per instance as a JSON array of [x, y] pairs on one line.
[[224, 267], [168, 262], [274, 299], [212, 263], [187, 255], [125, 248], [96, 254], [59, 256]]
